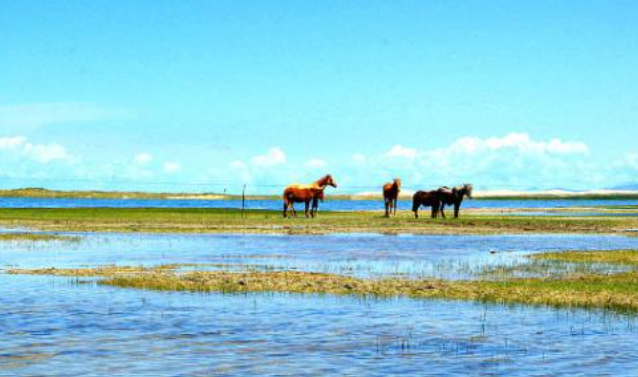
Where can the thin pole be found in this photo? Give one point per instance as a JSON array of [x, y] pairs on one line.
[[243, 201]]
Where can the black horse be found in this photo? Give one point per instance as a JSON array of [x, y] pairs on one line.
[[454, 196], [426, 199]]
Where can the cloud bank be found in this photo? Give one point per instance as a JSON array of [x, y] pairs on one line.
[[20, 147], [513, 161]]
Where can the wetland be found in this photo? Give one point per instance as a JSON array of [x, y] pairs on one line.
[[183, 291]]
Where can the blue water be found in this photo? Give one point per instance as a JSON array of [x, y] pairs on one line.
[[362, 255], [58, 326], [334, 205], [51, 327]]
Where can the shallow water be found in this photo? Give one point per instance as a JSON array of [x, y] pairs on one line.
[[332, 205], [59, 326], [363, 255], [55, 328]]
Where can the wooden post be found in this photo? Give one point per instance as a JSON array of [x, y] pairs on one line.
[[243, 201]]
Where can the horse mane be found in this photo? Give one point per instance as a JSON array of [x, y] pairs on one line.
[[325, 178], [311, 186], [316, 185], [465, 189], [325, 181]]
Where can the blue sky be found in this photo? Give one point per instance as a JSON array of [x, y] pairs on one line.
[[201, 95]]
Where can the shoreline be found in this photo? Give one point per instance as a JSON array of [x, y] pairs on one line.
[[40, 193], [203, 220]]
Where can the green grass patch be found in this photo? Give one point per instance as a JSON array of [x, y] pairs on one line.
[[202, 220]]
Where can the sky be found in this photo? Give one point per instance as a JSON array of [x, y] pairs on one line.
[[210, 95]]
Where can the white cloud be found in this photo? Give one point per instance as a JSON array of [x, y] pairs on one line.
[[143, 158], [515, 159], [274, 156], [316, 163], [47, 153], [402, 152], [43, 153], [171, 167], [520, 142], [12, 142]]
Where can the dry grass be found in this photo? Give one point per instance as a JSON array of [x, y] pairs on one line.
[[618, 292], [35, 237], [620, 257]]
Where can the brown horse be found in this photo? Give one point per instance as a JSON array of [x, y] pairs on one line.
[[315, 203], [426, 199], [454, 196], [297, 193], [391, 196]]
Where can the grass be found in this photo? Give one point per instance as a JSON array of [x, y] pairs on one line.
[[35, 237], [200, 220], [618, 257], [617, 292]]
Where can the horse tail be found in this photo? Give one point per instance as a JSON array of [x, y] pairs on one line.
[[286, 201]]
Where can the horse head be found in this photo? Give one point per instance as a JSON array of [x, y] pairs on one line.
[[397, 182], [467, 188], [327, 181]]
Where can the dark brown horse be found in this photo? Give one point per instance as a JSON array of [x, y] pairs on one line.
[[391, 196], [454, 196], [426, 199], [298, 193]]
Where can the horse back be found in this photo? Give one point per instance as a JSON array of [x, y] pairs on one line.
[[297, 194]]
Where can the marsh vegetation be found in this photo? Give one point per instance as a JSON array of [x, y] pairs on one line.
[[614, 291], [208, 220]]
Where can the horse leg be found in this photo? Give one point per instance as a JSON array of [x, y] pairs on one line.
[[293, 210], [442, 210], [306, 210], [435, 211], [285, 209], [395, 205], [456, 210], [415, 207]]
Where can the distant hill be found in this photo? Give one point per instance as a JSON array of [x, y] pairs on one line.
[[628, 192], [37, 192]]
